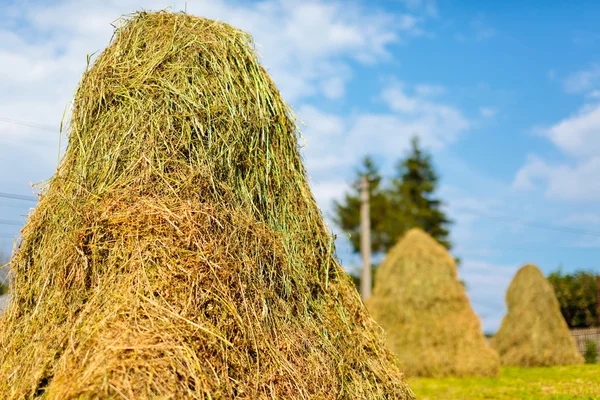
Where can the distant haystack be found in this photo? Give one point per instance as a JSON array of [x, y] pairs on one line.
[[426, 314], [178, 251], [534, 332]]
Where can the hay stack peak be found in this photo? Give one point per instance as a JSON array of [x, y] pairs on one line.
[[534, 332], [178, 251], [426, 314]]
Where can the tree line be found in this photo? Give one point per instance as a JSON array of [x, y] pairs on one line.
[[578, 294]]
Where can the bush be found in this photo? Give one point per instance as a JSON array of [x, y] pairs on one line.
[[591, 352]]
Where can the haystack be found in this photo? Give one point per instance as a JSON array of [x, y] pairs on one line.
[[426, 314], [178, 251], [534, 332]]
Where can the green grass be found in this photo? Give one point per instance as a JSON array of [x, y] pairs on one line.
[[558, 383]]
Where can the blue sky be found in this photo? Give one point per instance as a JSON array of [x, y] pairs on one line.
[[505, 96]]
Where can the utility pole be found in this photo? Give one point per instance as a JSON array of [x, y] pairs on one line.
[[365, 240]]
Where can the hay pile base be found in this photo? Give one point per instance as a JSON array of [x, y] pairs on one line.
[[178, 251], [534, 332], [426, 314]]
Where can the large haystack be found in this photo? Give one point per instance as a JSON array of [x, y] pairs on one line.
[[178, 251], [426, 314], [534, 332]]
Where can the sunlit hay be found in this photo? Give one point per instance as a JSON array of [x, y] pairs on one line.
[[426, 314], [534, 332], [178, 251]]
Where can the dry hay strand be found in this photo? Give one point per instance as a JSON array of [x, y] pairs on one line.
[[426, 313], [534, 332], [178, 251]]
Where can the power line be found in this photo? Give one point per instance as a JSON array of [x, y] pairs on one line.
[[9, 222], [18, 206], [28, 124], [18, 197], [503, 218], [557, 228], [538, 247], [538, 225]]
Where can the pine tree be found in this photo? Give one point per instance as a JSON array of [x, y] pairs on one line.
[[412, 191], [408, 202]]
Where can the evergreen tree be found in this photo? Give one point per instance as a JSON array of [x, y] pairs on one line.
[[347, 212], [412, 192]]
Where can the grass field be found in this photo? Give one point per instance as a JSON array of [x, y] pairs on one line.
[[559, 383]]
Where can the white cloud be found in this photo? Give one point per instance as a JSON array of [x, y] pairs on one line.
[[578, 137], [436, 122], [321, 123], [577, 183], [579, 134], [321, 131], [594, 94], [584, 80], [326, 191], [429, 90], [334, 88], [488, 112], [335, 142], [398, 100], [389, 134], [561, 181], [533, 169]]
